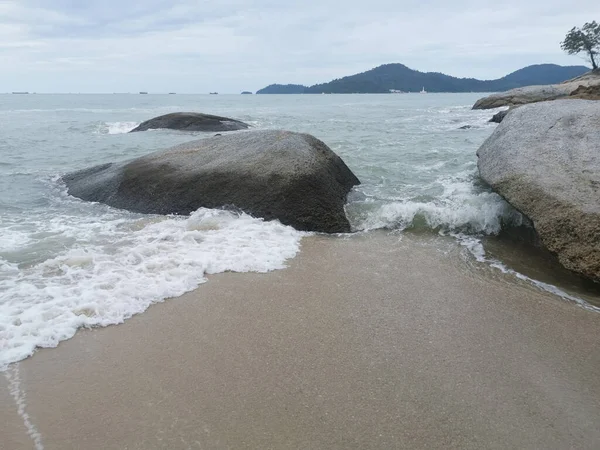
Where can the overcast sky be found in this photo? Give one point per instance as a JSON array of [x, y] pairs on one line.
[[197, 46]]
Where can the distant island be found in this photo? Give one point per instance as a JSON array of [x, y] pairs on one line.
[[285, 89], [395, 78], [246, 93]]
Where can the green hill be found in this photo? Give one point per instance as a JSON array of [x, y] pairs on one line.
[[398, 77]]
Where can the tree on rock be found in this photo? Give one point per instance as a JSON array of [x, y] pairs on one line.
[[585, 39]]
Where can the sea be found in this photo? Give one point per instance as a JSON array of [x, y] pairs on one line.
[[67, 264]]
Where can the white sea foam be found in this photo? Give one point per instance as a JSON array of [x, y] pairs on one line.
[[460, 207], [13, 377], [475, 247], [117, 127], [12, 240], [120, 266]]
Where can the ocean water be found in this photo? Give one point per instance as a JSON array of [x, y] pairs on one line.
[[67, 264]]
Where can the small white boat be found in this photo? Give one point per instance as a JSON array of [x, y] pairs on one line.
[[423, 91]]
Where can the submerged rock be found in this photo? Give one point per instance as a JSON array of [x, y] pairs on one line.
[[282, 175], [190, 121], [544, 159], [534, 94]]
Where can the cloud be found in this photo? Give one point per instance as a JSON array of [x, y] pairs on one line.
[[234, 45]]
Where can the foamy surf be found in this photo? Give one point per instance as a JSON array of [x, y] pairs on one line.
[[13, 377], [461, 206], [116, 127], [119, 267], [475, 248]]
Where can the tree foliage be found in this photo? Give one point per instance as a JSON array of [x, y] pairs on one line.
[[585, 39]]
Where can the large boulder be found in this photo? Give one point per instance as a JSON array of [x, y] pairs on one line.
[[523, 95], [534, 94], [282, 175], [190, 121], [544, 159]]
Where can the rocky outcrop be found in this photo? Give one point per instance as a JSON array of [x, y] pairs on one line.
[[282, 175], [544, 159], [524, 95], [499, 116], [190, 121], [534, 94], [586, 92]]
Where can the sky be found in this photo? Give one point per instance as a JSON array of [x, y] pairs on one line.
[[198, 46]]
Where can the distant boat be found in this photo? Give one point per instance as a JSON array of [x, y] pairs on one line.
[[423, 91], [171, 93], [213, 93], [396, 91], [20, 92], [143, 92]]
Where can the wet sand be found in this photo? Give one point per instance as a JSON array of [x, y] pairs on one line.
[[367, 342]]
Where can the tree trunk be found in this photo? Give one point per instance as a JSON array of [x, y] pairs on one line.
[[594, 65]]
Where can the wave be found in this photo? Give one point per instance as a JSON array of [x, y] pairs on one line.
[[119, 267], [116, 127], [461, 206], [483, 214], [475, 248]]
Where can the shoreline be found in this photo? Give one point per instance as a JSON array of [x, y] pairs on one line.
[[377, 340]]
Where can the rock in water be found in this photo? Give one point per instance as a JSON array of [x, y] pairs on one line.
[[190, 121], [499, 116], [524, 95], [544, 159], [282, 175]]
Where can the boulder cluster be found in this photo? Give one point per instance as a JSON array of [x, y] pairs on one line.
[[544, 159]]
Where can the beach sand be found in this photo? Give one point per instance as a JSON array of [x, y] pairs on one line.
[[374, 341]]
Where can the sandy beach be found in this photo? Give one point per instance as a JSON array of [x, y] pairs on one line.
[[376, 341]]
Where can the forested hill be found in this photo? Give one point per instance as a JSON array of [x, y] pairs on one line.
[[398, 77]]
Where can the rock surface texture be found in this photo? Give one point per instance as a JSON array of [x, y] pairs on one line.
[[587, 92], [190, 121], [282, 175], [544, 159], [534, 94]]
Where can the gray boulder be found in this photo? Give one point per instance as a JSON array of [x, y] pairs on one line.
[[499, 116], [534, 94], [190, 121], [524, 95], [282, 175], [544, 159]]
